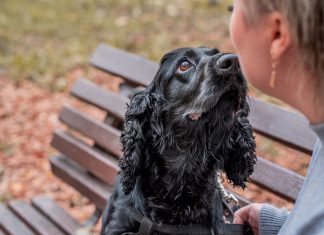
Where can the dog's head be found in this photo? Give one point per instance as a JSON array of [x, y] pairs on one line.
[[195, 90], [200, 84]]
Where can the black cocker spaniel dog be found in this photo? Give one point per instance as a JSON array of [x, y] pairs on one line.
[[185, 128]]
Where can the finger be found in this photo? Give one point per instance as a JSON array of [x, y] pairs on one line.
[[242, 215], [237, 219]]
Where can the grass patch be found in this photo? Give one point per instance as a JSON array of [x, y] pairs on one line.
[[43, 39]]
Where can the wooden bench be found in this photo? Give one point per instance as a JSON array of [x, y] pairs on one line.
[[91, 168], [42, 217]]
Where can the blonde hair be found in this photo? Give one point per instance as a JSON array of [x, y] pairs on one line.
[[306, 20]]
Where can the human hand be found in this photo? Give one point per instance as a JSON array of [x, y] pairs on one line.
[[249, 214]]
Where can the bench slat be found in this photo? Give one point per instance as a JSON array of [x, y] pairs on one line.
[[56, 214], [263, 174], [92, 188], [91, 93], [98, 163], [104, 135], [268, 120], [33, 218], [135, 69], [282, 125], [89, 186], [264, 169], [277, 179], [11, 224]]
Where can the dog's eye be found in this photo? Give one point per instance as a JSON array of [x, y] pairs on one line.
[[184, 66]]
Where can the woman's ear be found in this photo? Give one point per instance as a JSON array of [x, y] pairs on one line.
[[280, 36], [133, 137], [239, 164]]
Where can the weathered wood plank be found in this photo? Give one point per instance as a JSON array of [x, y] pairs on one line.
[[264, 169], [277, 179], [282, 125], [89, 186], [102, 165], [104, 135], [134, 68], [48, 208], [37, 222], [11, 224], [91, 93]]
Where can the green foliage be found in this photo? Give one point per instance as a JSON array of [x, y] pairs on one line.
[[41, 40]]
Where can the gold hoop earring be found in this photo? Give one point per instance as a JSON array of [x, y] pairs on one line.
[[273, 78]]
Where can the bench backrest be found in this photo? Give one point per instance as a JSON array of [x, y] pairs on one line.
[[94, 166]]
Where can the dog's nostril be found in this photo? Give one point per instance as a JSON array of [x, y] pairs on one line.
[[225, 64], [228, 62]]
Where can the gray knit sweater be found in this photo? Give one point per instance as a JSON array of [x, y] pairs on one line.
[[307, 217]]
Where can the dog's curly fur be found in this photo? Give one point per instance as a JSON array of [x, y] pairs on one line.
[[171, 162]]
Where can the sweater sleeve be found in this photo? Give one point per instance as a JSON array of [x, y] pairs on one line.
[[272, 219]]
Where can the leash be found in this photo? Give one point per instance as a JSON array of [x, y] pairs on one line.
[[147, 227], [230, 203]]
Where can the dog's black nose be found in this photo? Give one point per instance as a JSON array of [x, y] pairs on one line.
[[228, 63]]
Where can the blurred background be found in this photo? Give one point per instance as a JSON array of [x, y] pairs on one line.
[[45, 45]]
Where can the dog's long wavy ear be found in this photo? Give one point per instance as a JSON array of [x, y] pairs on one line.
[[133, 137], [240, 162]]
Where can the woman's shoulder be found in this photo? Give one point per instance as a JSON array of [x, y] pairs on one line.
[[319, 130]]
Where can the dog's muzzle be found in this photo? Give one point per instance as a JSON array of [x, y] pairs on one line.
[[226, 66]]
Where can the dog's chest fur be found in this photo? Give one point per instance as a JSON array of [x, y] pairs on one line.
[[180, 187]]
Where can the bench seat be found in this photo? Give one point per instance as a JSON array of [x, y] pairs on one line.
[[91, 166], [42, 217]]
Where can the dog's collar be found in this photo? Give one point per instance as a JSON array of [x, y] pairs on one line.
[[147, 226]]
